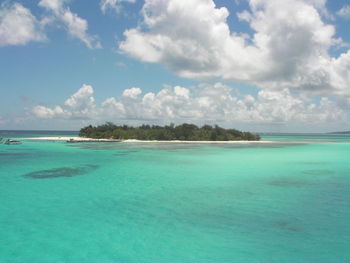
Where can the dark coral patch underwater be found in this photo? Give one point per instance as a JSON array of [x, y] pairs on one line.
[[287, 226], [61, 172]]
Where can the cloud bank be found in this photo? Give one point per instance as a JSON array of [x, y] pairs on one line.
[[205, 103], [289, 47], [287, 56]]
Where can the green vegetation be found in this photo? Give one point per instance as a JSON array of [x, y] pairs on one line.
[[186, 132]]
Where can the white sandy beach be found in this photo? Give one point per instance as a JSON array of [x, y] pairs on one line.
[[63, 138], [179, 141], [133, 140]]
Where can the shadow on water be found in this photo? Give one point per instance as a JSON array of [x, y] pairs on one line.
[[61, 172]]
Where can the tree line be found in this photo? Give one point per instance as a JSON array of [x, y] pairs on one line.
[[185, 132]]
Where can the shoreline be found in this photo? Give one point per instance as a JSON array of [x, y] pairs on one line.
[[65, 138], [83, 139]]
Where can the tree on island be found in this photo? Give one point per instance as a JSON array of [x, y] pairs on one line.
[[184, 132]]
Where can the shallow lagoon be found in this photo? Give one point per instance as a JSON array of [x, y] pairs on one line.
[[288, 201]]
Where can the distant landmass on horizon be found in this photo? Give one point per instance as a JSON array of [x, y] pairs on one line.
[[340, 132]]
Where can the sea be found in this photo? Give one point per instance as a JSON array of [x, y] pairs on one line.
[[286, 200]]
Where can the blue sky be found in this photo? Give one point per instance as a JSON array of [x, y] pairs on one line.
[[260, 65]]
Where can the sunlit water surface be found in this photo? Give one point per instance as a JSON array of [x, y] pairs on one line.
[[286, 201]]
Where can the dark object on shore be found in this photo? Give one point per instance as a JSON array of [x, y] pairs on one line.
[[12, 142], [91, 140], [183, 132]]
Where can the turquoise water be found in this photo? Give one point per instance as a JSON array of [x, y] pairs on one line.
[[287, 201]]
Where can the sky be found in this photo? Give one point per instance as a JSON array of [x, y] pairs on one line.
[[257, 65]]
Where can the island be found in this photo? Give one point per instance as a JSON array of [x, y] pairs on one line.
[[183, 132]]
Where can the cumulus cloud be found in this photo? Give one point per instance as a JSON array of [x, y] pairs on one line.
[[82, 99], [216, 103], [289, 47], [113, 5], [132, 93], [78, 106], [344, 12], [76, 26], [48, 113], [18, 26]]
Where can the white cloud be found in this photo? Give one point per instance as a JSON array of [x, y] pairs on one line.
[[344, 12], [206, 103], [48, 113], [76, 26], [18, 26], [82, 99], [132, 93], [55, 5], [113, 5], [288, 49], [78, 106], [81, 104]]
